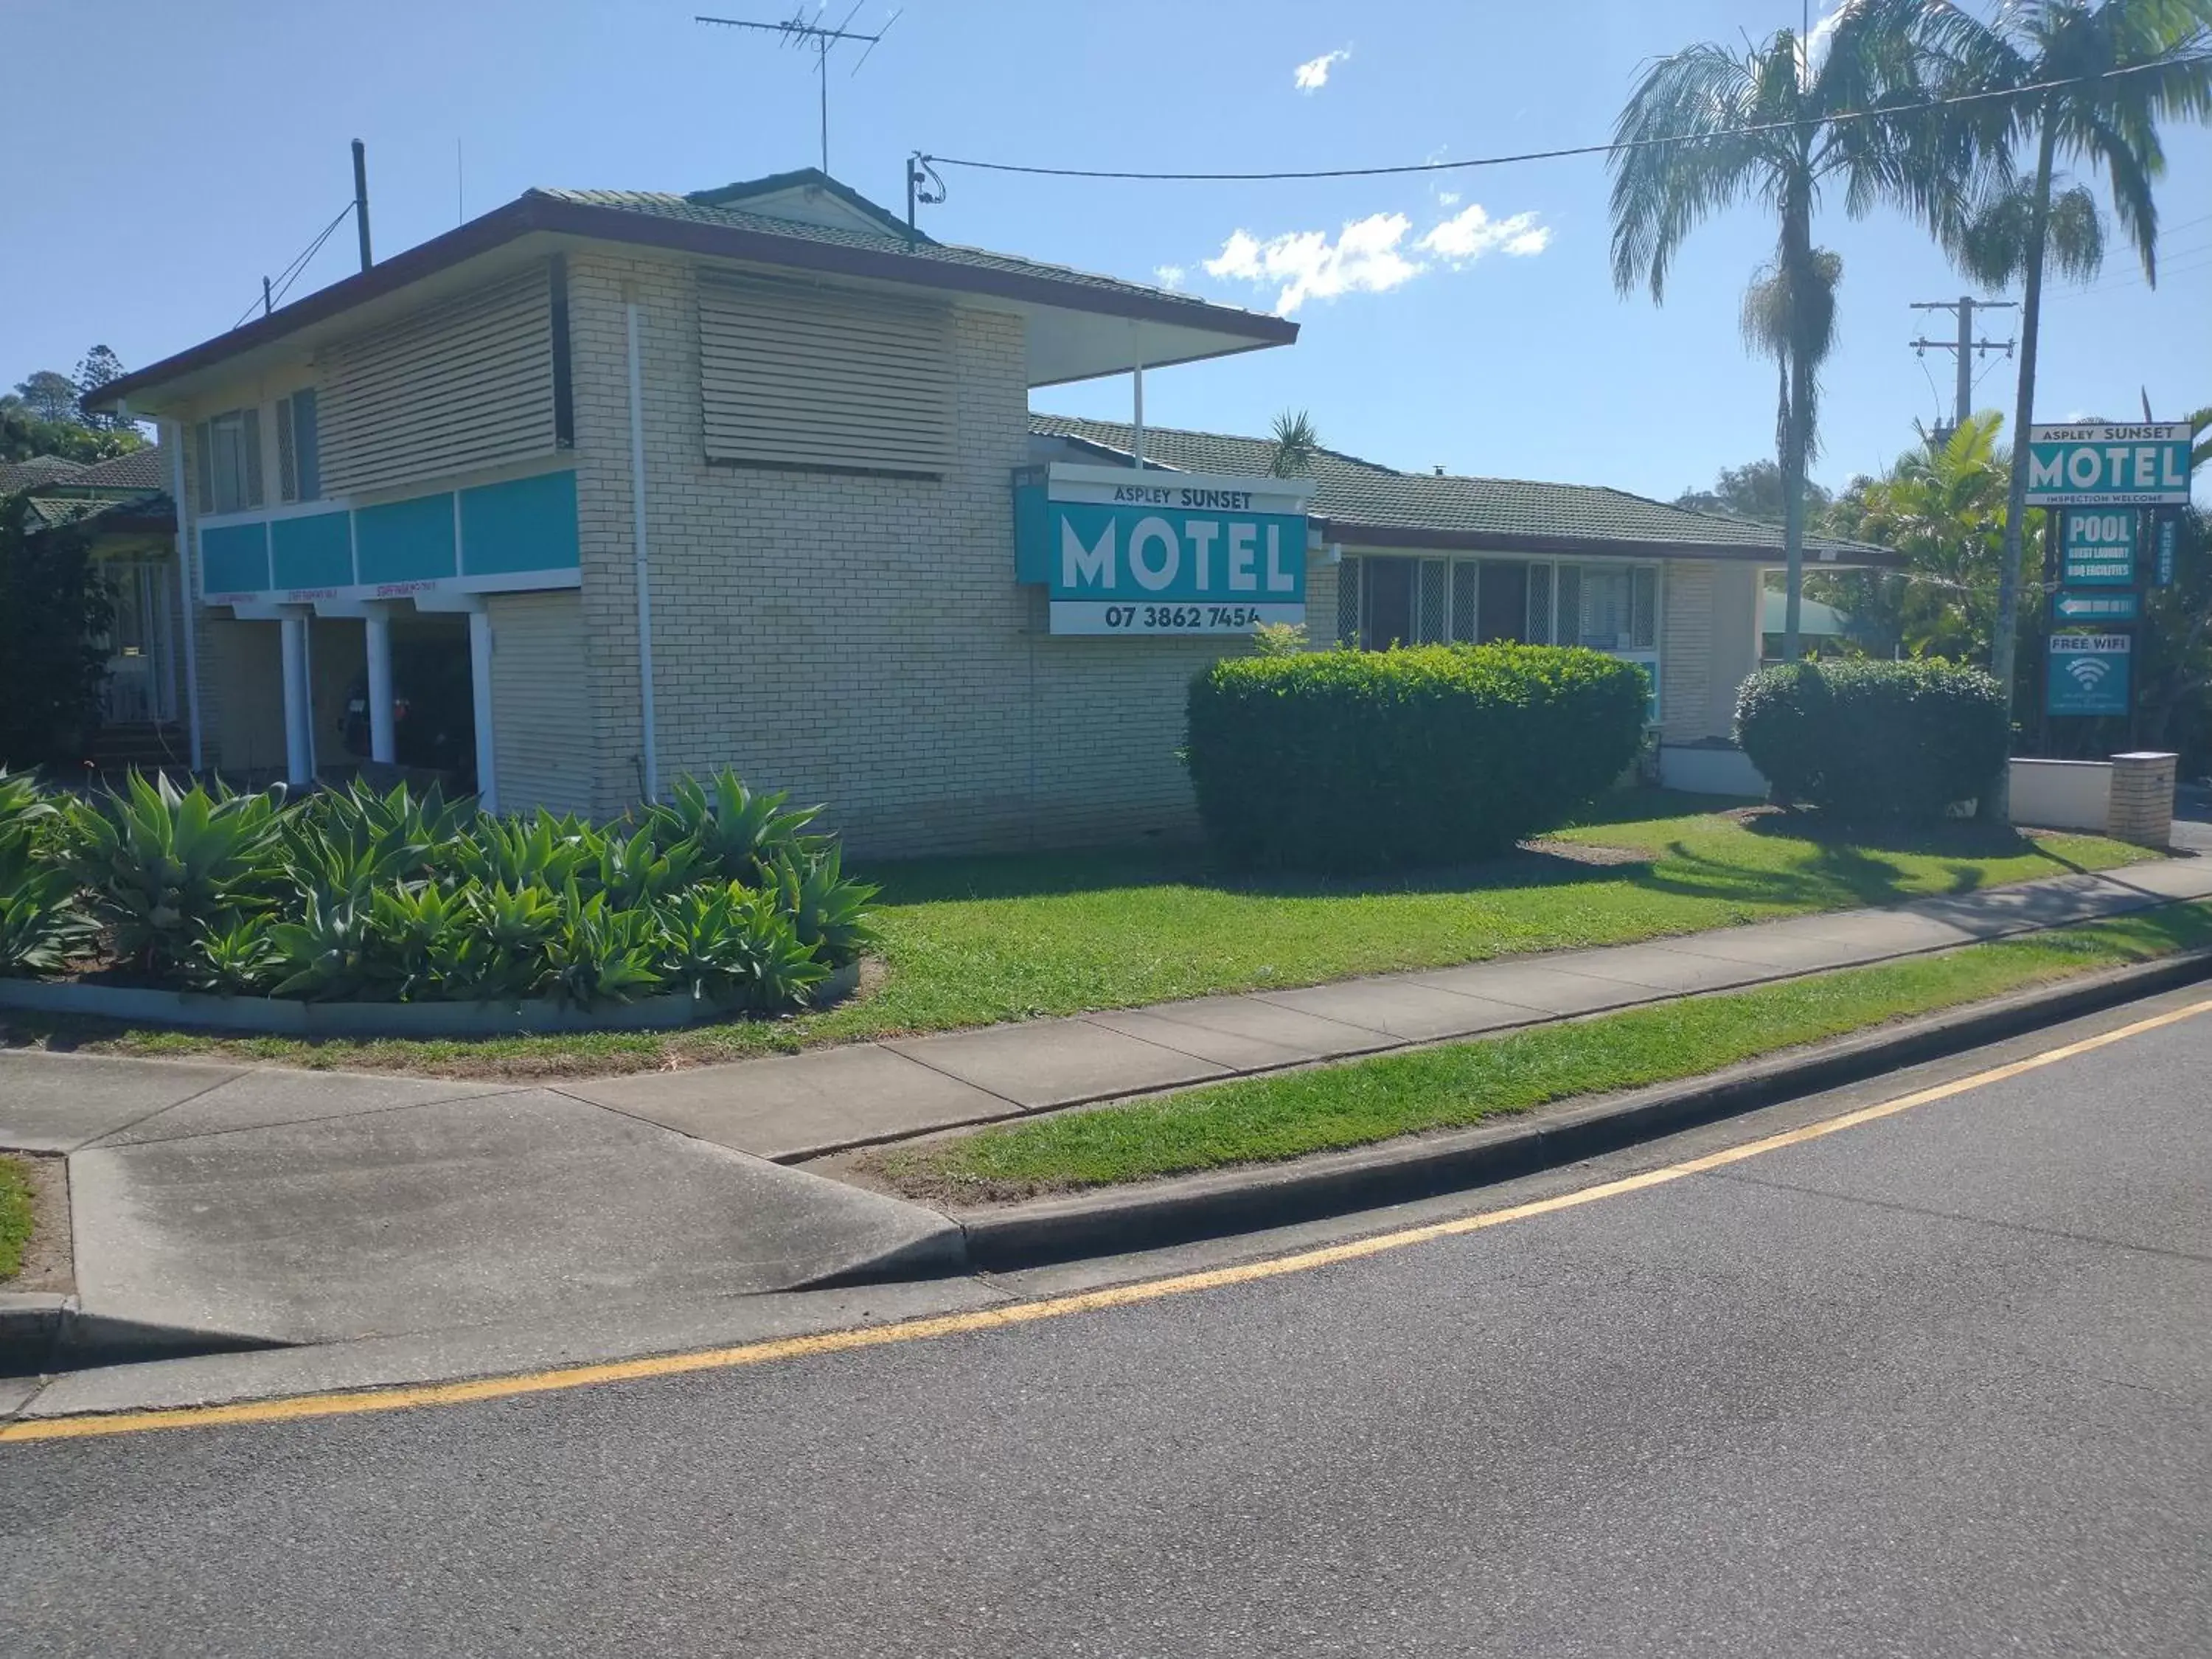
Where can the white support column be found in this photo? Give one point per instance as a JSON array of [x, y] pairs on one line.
[[383, 745], [298, 755], [187, 588], [480, 650]]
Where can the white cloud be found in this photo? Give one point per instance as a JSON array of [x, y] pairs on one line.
[[1471, 232], [1362, 260], [1370, 255], [1313, 75], [1446, 198], [1169, 275]]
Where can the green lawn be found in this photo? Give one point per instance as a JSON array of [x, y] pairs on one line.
[[974, 941], [14, 1215], [1268, 1119]]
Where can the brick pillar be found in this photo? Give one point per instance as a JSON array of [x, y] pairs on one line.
[[2142, 799]]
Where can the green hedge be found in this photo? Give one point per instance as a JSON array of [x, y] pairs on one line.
[[1873, 740], [1352, 760]]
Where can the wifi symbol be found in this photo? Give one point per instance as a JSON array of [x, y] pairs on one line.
[[2088, 672]]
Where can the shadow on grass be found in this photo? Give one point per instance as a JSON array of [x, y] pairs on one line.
[[1107, 870]]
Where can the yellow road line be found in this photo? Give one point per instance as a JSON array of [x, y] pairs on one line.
[[1025, 1313]]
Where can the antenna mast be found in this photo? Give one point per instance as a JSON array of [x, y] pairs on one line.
[[796, 31]]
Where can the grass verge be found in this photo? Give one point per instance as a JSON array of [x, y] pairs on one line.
[[1269, 1119], [974, 941], [14, 1215]]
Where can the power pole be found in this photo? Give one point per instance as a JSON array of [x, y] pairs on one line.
[[1965, 345]]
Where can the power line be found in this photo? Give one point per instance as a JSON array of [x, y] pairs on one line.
[[1616, 147], [273, 289]]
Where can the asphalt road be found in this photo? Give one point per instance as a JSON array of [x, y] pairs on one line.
[[1937, 1384]]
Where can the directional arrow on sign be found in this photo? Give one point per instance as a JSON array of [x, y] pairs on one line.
[[2103, 607]]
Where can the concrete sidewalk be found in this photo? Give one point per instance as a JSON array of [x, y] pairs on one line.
[[800, 1106]]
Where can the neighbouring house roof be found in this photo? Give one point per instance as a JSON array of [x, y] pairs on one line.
[[869, 246], [38, 470], [144, 468], [123, 495], [1370, 505], [1814, 618]]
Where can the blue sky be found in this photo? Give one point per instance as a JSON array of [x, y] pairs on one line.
[[210, 145]]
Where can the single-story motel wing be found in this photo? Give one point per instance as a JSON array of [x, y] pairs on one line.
[[749, 478]]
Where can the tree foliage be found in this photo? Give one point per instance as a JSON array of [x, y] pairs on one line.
[[54, 609], [1752, 490], [1768, 126]]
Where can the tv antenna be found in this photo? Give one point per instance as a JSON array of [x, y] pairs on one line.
[[795, 31]]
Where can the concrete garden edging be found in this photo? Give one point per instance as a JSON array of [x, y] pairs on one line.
[[287, 1017]]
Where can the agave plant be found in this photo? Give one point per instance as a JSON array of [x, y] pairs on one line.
[[739, 834], [597, 953], [542, 850], [349, 840], [41, 925], [163, 863], [326, 952], [409, 933], [499, 950], [642, 869], [236, 959], [828, 913]]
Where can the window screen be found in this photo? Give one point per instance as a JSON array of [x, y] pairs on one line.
[[1435, 603], [1643, 609], [1348, 602], [1465, 607], [1539, 604]]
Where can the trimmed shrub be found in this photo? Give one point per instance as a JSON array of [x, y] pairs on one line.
[[1360, 760], [1865, 739]]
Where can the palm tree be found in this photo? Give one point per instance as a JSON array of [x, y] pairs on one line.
[[1763, 126], [1296, 444], [2094, 78]]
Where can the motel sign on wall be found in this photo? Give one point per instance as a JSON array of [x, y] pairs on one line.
[[1124, 552]]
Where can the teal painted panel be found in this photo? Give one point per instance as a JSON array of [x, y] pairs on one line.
[[235, 559], [406, 541], [316, 552], [527, 524]]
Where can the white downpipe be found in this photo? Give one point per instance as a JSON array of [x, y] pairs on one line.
[[383, 745], [298, 759], [480, 650], [1137, 395], [187, 587], [650, 755]]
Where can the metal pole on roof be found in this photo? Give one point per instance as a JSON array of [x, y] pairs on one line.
[[268, 305], [360, 199], [1137, 389]]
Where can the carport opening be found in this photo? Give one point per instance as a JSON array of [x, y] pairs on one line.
[[433, 704]]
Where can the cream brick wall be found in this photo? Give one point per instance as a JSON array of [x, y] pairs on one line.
[[856, 640]]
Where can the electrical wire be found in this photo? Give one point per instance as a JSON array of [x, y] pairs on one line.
[[1614, 148], [281, 283]]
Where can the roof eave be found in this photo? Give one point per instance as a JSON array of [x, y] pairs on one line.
[[534, 212], [1426, 538]]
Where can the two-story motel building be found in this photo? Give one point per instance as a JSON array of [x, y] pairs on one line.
[[749, 478]]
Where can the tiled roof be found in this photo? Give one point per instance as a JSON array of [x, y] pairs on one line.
[[144, 468], [1355, 497], [39, 468], [137, 511], [693, 209]]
